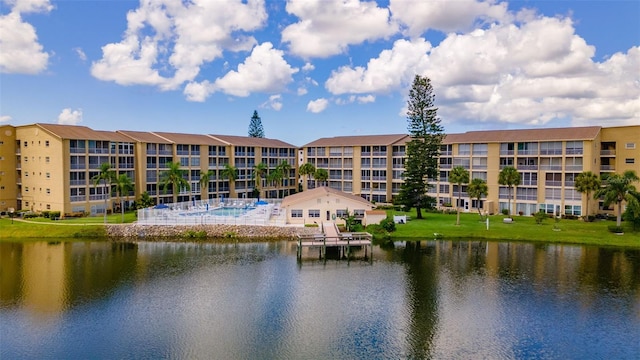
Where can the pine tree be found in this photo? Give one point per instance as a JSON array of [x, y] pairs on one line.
[[424, 147], [255, 126]]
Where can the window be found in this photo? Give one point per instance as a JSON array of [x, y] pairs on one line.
[[528, 148], [506, 149], [48, 175], [630, 161], [479, 175], [296, 213], [48, 206], [314, 213], [574, 147], [46, 143], [480, 149], [48, 191], [464, 149], [341, 213], [575, 210], [529, 179], [552, 193], [443, 189], [630, 145], [551, 148], [47, 159], [184, 161]]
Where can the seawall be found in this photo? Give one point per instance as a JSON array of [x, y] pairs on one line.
[[248, 232]]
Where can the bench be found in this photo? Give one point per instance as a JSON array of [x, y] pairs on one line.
[[507, 220]]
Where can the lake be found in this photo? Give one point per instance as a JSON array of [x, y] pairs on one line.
[[433, 299]]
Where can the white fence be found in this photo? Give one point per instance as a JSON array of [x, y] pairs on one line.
[[265, 212]]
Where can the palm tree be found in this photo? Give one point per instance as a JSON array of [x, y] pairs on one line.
[[477, 189], [123, 186], [459, 176], [587, 182], [230, 173], [306, 170], [174, 177], [510, 177], [204, 179], [618, 189], [321, 175], [285, 169], [259, 170], [106, 176], [275, 177]]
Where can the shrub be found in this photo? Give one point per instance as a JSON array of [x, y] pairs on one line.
[[388, 224], [45, 214], [540, 216], [505, 212], [192, 234], [30, 215], [54, 215]]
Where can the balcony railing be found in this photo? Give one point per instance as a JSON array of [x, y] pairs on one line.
[[527, 167], [78, 182], [552, 183], [78, 198], [574, 151], [573, 167], [506, 152], [607, 167], [607, 152], [550, 167]]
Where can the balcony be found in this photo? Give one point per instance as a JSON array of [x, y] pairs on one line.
[[507, 152], [98, 151], [78, 182], [165, 152], [78, 198], [527, 167], [573, 167], [606, 152], [574, 151], [552, 183], [550, 167], [607, 168], [77, 150]]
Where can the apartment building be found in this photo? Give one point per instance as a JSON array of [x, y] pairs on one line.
[[50, 167], [548, 161], [369, 166]]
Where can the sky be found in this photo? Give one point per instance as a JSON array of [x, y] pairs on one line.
[[317, 68]]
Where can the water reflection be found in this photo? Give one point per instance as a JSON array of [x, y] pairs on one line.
[[431, 299]]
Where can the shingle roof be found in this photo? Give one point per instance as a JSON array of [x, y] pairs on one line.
[[319, 192], [550, 134], [359, 140], [145, 137], [252, 141], [193, 139], [81, 132]]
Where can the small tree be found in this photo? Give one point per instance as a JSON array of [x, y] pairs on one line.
[[255, 126], [230, 173], [632, 213], [587, 183], [259, 170], [106, 176], [145, 201], [305, 170], [173, 177], [204, 180], [123, 186], [510, 177], [618, 189], [477, 189], [321, 175], [349, 220], [459, 176]]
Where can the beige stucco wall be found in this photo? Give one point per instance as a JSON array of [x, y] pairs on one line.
[[8, 187], [326, 203]]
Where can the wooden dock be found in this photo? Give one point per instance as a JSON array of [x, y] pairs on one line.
[[332, 238]]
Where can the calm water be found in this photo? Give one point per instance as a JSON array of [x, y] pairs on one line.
[[256, 301]]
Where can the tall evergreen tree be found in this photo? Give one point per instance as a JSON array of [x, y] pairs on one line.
[[424, 147], [255, 126]]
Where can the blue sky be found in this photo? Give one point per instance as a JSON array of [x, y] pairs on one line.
[[317, 68]]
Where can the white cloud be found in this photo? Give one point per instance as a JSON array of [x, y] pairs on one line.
[[366, 99], [446, 16], [302, 91], [318, 105], [167, 42], [198, 92], [81, 55], [265, 70], [70, 117], [308, 67], [274, 102], [21, 52], [329, 27], [390, 71], [5, 118]]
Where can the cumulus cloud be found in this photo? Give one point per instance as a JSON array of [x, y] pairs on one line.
[[265, 70], [391, 70], [21, 52], [274, 102], [318, 105], [5, 118], [166, 42], [70, 117], [329, 27], [447, 16]]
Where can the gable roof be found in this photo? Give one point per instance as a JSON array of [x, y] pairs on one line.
[[360, 140], [81, 132], [252, 141], [320, 192], [191, 139], [144, 137], [547, 134]]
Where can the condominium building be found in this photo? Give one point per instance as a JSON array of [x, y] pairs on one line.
[[369, 166], [51, 167]]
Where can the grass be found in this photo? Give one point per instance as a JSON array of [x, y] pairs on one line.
[[40, 227], [523, 228]]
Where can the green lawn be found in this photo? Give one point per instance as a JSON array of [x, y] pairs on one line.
[[523, 228], [40, 227]]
